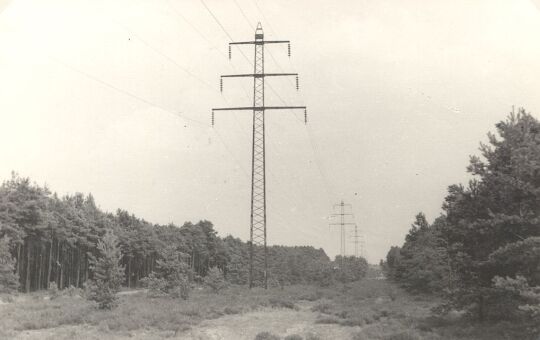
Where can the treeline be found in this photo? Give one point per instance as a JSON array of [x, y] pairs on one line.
[[53, 240], [483, 253]]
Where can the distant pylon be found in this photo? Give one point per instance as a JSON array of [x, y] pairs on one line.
[[359, 242], [342, 223]]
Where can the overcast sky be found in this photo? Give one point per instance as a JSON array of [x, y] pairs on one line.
[[114, 98]]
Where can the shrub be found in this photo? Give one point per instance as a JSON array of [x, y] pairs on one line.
[[266, 336], [353, 321], [171, 277], [312, 336], [321, 307], [232, 310], [215, 280], [156, 285], [53, 290], [327, 320], [279, 303], [293, 337]]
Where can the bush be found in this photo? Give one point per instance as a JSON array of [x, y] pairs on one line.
[[312, 336], [215, 280], [156, 285], [327, 320], [322, 307], [53, 290], [231, 310], [266, 336], [279, 303], [293, 337], [171, 277]]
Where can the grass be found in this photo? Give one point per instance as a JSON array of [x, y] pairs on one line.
[[370, 309], [137, 311]]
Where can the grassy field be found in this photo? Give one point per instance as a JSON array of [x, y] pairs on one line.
[[370, 309]]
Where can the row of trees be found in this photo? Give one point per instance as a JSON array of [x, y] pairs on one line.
[[54, 239], [483, 253]]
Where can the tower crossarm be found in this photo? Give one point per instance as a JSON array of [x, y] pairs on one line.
[[262, 42], [259, 108], [259, 75]]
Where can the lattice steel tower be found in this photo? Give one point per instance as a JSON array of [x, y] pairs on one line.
[[258, 264], [342, 223]]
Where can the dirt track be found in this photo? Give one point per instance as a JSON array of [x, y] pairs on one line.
[[281, 322]]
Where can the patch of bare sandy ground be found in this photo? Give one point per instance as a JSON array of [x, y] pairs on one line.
[[229, 327]]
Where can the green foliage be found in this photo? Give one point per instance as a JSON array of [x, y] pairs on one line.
[[53, 291], [520, 296], [266, 336], [172, 275], [293, 337], [215, 280], [9, 282], [351, 268], [423, 263], [107, 273], [490, 231], [497, 215], [54, 238]]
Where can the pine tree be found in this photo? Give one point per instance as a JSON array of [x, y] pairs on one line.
[[107, 273], [172, 276], [215, 280], [9, 282]]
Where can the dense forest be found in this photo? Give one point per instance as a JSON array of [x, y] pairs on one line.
[[483, 253], [53, 240]]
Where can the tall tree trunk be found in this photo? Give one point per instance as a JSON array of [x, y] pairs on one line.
[[50, 264], [61, 264], [129, 272], [19, 259], [28, 262], [137, 271], [79, 267], [70, 265], [40, 269], [58, 265], [86, 264]]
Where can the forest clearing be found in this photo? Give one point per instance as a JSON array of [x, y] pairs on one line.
[[368, 309], [270, 170]]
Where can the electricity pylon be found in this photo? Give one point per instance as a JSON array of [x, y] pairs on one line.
[[342, 223], [258, 264], [359, 243]]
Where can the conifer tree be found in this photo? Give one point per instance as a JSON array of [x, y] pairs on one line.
[[107, 273], [172, 276], [214, 280]]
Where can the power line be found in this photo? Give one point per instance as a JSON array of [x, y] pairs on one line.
[[245, 91], [244, 15], [309, 134], [217, 20], [126, 93], [171, 60], [271, 88]]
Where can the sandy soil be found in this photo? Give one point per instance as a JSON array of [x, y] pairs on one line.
[[277, 321]]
